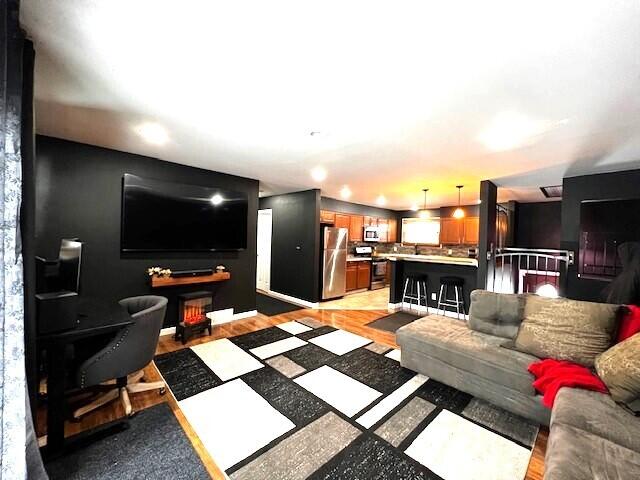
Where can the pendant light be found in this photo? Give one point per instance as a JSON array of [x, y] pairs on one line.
[[424, 213], [459, 212]]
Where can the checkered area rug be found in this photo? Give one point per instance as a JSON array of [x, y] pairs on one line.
[[302, 400]]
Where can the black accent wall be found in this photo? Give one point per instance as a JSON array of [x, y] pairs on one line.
[[538, 225], [607, 186], [78, 194], [295, 243]]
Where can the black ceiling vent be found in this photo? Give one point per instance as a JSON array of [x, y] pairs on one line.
[[554, 191]]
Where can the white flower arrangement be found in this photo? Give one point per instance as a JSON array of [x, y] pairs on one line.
[[158, 272]]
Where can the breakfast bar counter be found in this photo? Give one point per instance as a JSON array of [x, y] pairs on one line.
[[434, 267]]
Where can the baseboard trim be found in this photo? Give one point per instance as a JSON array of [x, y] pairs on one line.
[[230, 318], [288, 298]]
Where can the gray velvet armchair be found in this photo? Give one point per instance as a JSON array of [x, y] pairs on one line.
[[119, 365]]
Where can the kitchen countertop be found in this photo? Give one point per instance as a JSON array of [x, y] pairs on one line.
[[471, 262], [359, 259]]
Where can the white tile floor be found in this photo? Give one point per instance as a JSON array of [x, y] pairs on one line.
[[226, 359], [293, 327], [340, 341], [337, 389], [238, 421], [455, 448], [371, 417], [276, 348]]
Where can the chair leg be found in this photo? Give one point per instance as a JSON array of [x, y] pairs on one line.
[[97, 403], [440, 300], [145, 386], [418, 295], [457, 303], [126, 402]]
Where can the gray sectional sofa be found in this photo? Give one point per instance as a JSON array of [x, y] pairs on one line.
[[590, 435]]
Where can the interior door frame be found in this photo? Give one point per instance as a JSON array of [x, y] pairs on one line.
[[261, 260]]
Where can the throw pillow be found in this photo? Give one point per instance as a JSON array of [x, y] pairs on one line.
[[630, 323], [565, 329], [497, 314], [619, 369]]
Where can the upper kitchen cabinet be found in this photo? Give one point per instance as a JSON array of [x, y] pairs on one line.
[[471, 230], [342, 221], [355, 228], [383, 228], [392, 235], [451, 231], [455, 231], [327, 217], [370, 221]]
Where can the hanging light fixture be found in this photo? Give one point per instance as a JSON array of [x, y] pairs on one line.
[[459, 212], [424, 213]]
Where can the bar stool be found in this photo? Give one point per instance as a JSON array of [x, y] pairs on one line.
[[412, 291], [457, 283]]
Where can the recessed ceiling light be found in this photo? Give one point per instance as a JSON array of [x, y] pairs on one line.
[[319, 173], [153, 133], [414, 207], [217, 199], [345, 192], [381, 200]]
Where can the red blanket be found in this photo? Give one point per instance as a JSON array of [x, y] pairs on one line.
[[551, 375]]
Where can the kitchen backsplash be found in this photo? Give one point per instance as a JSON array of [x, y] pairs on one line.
[[456, 250]]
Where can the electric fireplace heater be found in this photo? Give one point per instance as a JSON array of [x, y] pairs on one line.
[[192, 314]]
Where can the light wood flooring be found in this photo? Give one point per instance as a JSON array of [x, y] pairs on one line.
[[365, 300], [352, 320]]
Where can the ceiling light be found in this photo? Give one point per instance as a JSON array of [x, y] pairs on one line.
[[459, 212], [345, 192], [424, 213], [217, 199], [414, 207], [381, 200], [318, 173], [153, 133]]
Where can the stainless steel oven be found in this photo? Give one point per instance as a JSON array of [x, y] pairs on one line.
[[378, 273]]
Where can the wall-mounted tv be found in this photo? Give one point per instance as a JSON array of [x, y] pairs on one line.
[[167, 216]]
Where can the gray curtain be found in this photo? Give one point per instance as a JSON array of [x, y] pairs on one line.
[[13, 432]]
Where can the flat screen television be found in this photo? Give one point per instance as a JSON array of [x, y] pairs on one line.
[[176, 217]]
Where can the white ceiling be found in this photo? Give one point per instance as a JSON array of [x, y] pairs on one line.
[[403, 95]]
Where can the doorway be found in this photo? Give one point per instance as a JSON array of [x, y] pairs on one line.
[[263, 266]]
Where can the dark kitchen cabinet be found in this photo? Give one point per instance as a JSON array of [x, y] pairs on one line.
[[342, 221], [392, 235], [370, 221], [451, 231], [364, 274], [327, 217], [352, 276], [355, 228]]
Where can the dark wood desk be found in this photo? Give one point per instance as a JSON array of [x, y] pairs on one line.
[[95, 317]]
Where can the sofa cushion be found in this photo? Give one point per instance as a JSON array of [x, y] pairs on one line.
[[619, 368], [566, 329], [598, 414], [573, 454], [452, 342], [497, 314]]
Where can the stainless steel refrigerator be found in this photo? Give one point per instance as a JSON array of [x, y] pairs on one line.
[[334, 262]]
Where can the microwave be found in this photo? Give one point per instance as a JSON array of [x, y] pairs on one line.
[[371, 234]]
